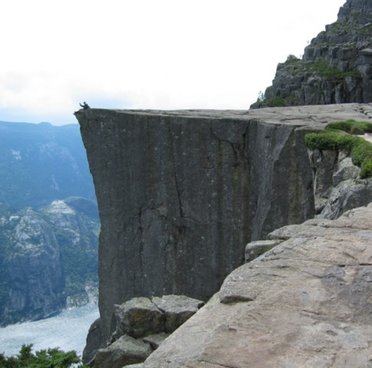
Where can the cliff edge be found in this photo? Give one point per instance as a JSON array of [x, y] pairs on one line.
[[180, 193]]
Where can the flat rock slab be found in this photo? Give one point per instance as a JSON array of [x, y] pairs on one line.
[[306, 303]]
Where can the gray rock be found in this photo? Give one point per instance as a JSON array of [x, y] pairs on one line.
[[177, 309], [122, 352], [93, 343], [139, 365], [256, 248], [307, 305], [137, 317], [324, 165], [345, 170], [180, 193], [156, 339], [347, 195]]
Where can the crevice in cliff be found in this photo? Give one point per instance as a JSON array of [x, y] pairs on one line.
[[177, 185]]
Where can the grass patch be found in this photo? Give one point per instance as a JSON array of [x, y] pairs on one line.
[[339, 136], [327, 71], [351, 126]]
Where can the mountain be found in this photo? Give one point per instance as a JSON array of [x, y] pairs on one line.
[[40, 163], [336, 66], [48, 256], [49, 221]]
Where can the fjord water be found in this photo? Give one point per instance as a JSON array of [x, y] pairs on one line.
[[67, 331]]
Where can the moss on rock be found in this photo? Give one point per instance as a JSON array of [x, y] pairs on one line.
[[339, 136]]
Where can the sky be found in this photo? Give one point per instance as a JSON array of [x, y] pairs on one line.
[[146, 54]]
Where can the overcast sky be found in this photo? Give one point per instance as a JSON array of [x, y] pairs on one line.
[[162, 54]]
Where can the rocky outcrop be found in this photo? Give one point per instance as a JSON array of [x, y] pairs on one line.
[[139, 326], [337, 186], [180, 193], [305, 303], [335, 67]]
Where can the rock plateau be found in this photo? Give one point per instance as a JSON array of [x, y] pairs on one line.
[[180, 193]]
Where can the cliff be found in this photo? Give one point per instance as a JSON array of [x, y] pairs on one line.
[[306, 303], [336, 65], [180, 193]]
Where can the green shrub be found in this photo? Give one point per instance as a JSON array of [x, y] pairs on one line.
[[361, 151], [329, 140], [51, 358], [366, 167], [351, 126], [336, 137], [330, 72]]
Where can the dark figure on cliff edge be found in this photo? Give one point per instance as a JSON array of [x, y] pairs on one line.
[[84, 105]]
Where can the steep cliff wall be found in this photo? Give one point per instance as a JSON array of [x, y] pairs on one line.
[[335, 67], [180, 194]]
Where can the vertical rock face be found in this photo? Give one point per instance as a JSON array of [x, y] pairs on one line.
[[335, 68], [181, 193]]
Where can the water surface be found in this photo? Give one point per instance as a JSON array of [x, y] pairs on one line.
[[67, 331]]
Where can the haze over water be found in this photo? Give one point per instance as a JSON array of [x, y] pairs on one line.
[[68, 331]]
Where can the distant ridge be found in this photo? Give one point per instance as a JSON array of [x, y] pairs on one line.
[[42, 162]]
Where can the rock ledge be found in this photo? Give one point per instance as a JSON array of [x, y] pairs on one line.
[[305, 303]]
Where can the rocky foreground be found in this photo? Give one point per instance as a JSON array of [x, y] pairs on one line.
[[305, 303]]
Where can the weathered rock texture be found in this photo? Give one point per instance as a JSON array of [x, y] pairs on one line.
[[337, 186], [139, 326], [306, 303], [181, 193], [336, 66]]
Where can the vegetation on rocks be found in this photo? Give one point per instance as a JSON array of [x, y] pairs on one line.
[[50, 358], [340, 136]]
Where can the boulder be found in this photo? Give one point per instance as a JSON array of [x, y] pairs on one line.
[[124, 351], [177, 309], [148, 320], [93, 342], [137, 317], [346, 195], [156, 339], [345, 170]]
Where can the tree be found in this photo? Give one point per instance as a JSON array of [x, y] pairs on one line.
[[50, 358]]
